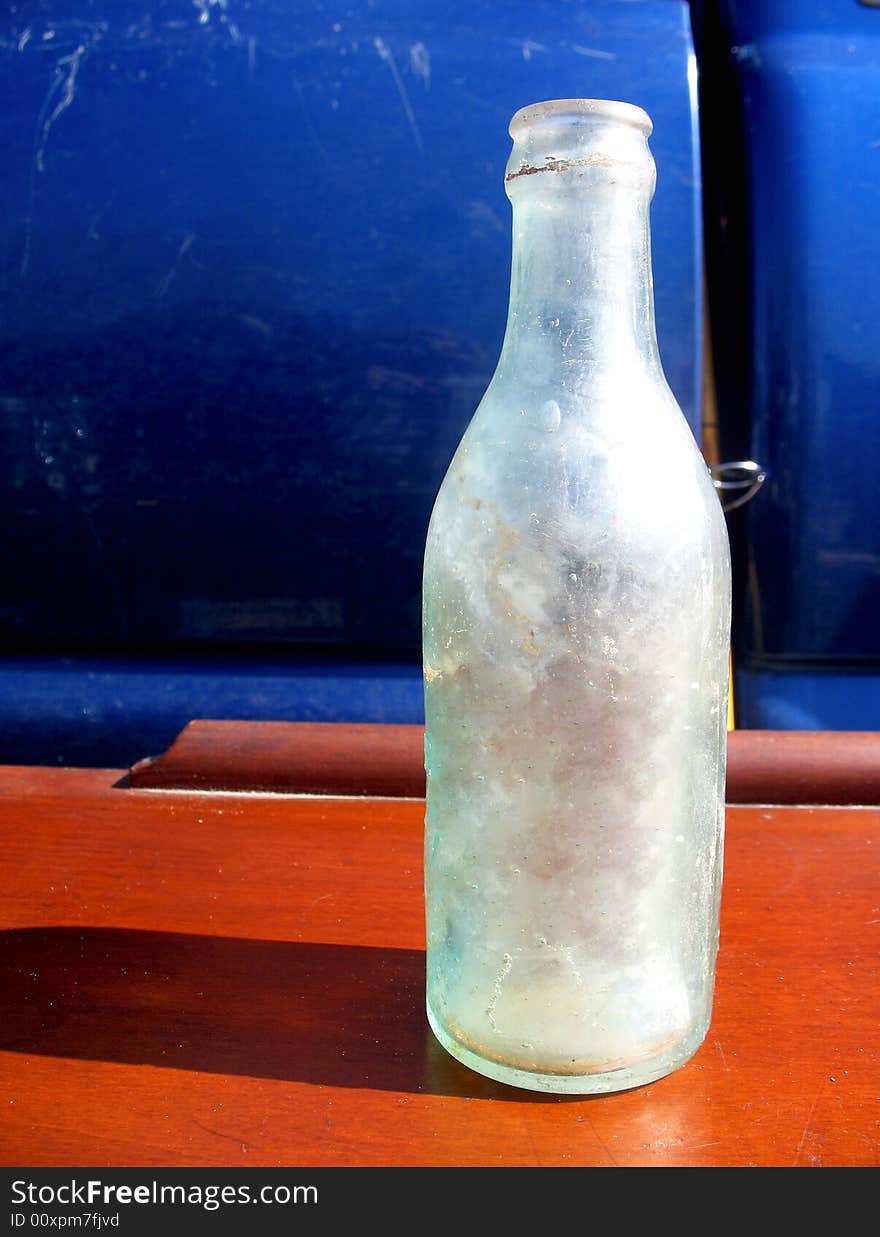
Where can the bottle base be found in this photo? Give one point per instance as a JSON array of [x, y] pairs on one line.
[[595, 1083]]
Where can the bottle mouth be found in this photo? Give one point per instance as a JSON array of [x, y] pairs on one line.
[[580, 144], [578, 110]]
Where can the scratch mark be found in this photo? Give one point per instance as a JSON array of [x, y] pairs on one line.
[[720, 1051], [64, 81], [420, 63], [796, 862], [251, 55], [23, 41], [69, 87], [494, 108], [165, 282], [205, 6], [602, 1142], [524, 1113], [257, 324], [482, 214], [800, 1146], [385, 54], [93, 234], [233, 1138], [309, 126], [528, 46], [594, 52]]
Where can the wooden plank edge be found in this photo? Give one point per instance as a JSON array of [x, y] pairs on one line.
[[763, 766]]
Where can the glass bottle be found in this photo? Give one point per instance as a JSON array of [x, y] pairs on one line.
[[576, 624]]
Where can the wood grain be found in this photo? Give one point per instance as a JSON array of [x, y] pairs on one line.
[[237, 979]]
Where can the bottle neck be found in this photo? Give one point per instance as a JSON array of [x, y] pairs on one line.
[[581, 293]]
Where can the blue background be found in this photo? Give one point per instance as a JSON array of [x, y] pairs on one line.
[[255, 262], [791, 124]]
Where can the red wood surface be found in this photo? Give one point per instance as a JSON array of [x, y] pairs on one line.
[[803, 766], [796, 766], [237, 979], [291, 758]]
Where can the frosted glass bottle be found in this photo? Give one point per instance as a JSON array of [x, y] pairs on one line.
[[576, 628]]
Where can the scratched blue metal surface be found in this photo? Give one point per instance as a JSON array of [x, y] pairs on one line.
[[112, 710], [253, 282], [808, 77]]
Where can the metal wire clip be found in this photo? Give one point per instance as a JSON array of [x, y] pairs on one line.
[[741, 478]]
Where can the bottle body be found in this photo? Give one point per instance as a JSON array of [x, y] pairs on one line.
[[576, 634]]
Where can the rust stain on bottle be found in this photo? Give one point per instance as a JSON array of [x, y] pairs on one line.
[[561, 165]]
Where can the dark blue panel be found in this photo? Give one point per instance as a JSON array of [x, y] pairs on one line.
[[797, 190], [809, 78], [254, 280]]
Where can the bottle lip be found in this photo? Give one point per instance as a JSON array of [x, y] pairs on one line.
[[604, 109]]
